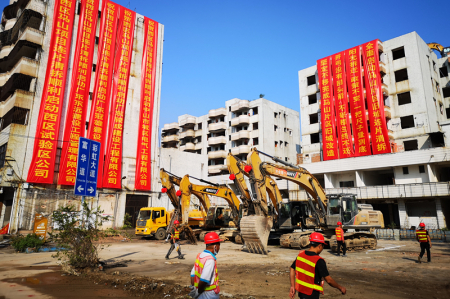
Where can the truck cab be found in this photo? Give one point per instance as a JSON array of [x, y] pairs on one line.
[[152, 221]]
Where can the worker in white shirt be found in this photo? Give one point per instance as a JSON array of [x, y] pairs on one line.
[[204, 275]]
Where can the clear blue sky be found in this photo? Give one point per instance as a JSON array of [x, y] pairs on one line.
[[216, 50]]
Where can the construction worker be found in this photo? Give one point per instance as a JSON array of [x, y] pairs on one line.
[[175, 241], [340, 240], [309, 270], [425, 242], [204, 275]]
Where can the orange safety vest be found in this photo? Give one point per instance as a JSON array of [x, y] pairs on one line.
[[198, 267], [305, 271], [422, 235], [339, 234], [176, 235]]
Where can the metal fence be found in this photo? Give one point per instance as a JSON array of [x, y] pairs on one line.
[[410, 234]]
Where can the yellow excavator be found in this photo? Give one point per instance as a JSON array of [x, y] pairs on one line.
[[438, 47], [320, 212]]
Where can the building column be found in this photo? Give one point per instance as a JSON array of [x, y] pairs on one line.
[[431, 169], [440, 215], [2, 214], [328, 178], [359, 179], [402, 214]]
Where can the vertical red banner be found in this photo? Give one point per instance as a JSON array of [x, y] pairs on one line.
[[357, 101], [148, 74], [375, 102], [79, 91], [47, 131], [113, 163], [98, 119], [329, 144], [340, 98]]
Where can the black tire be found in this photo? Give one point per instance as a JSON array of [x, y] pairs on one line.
[[161, 234]]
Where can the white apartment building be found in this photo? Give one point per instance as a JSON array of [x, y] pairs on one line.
[[236, 128], [411, 184]]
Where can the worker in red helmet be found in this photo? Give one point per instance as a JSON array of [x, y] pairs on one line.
[[204, 275], [340, 240], [309, 270], [175, 241], [425, 242]]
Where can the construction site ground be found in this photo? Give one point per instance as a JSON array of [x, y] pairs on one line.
[[140, 269]]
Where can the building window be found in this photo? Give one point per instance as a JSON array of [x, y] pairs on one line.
[[229, 123], [199, 126], [410, 145], [421, 168], [443, 72], [275, 114], [407, 122], [311, 80], [255, 111], [229, 108], [79, 8], [276, 143], [312, 99], [401, 75], [398, 53], [58, 159], [255, 126], [3, 154], [315, 138], [286, 144], [347, 184], [97, 40], [286, 159], [275, 128], [94, 67], [447, 111], [446, 92], [404, 98], [405, 170], [314, 118], [255, 141]]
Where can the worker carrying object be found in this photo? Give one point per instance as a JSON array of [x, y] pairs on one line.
[[340, 240], [204, 275], [425, 242], [309, 270], [175, 241]]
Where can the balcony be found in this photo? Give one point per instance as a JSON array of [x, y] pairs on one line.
[[170, 138], [240, 135], [171, 126], [198, 133], [198, 146], [241, 119], [13, 10], [30, 37], [217, 154], [187, 120], [189, 146], [389, 191], [187, 133], [217, 126], [242, 104], [385, 89], [25, 66], [242, 149], [20, 98], [217, 168], [217, 140], [15, 82], [28, 18], [217, 112]]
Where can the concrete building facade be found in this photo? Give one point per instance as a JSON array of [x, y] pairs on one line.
[[25, 35], [411, 184]]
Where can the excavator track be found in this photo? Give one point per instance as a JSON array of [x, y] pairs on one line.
[[255, 231]]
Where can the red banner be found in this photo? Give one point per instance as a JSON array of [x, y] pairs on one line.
[[113, 167], [357, 102], [329, 148], [79, 91], [148, 74], [98, 119], [47, 131], [375, 103], [341, 102]]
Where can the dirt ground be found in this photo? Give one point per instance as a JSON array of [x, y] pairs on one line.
[[390, 271]]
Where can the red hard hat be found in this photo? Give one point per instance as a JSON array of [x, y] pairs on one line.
[[422, 224], [317, 238], [339, 223], [232, 177], [211, 238], [178, 193], [164, 190], [247, 168], [176, 222]]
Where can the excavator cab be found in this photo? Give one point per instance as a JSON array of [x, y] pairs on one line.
[[218, 216], [292, 215], [341, 207]]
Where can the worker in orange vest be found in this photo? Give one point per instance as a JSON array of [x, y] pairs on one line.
[[340, 239], [309, 270], [204, 275], [175, 241], [425, 242]]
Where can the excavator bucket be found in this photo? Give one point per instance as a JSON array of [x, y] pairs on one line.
[[255, 231]]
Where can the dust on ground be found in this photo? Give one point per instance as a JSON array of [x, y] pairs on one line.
[[391, 271]]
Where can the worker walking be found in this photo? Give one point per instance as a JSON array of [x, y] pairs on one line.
[[175, 241], [204, 275], [309, 270], [340, 240], [425, 242]]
